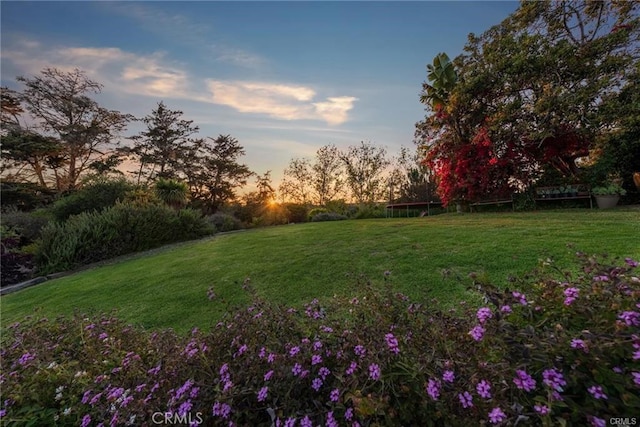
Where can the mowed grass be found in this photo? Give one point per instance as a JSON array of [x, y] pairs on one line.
[[428, 258]]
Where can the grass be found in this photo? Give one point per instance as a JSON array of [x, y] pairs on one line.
[[427, 257]]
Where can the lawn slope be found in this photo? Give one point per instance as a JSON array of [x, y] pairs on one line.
[[295, 263]]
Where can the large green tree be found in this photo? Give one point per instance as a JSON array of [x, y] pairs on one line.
[[534, 91]]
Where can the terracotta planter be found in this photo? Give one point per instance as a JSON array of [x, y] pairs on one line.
[[608, 201], [636, 180]]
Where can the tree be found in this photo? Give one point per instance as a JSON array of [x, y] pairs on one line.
[[410, 180], [74, 132], [364, 167], [163, 148], [296, 183], [535, 89], [216, 173], [327, 179]]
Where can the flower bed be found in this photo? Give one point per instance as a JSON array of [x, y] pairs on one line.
[[559, 348]]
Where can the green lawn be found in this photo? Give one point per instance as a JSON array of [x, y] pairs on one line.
[[295, 263]]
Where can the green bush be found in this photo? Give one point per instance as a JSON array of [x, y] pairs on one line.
[[121, 229], [370, 211], [224, 222], [93, 197], [28, 225], [315, 211], [297, 213], [328, 216], [566, 353]]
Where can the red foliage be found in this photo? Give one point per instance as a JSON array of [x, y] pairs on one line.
[[474, 171]]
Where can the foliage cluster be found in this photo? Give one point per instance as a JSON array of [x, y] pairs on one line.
[[94, 196], [224, 222], [327, 216], [118, 230], [560, 348]]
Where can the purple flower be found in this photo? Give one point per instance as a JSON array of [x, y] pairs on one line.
[[554, 379], [506, 309], [103, 336], [597, 422], [306, 422], [497, 416], [221, 410], [331, 422], [271, 357], [348, 414], [294, 350], [26, 358], [374, 371], [522, 299], [297, 369], [316, 384], [185, 388], [484, 389], [602, 278], [524, 381], [579, 344], [433, 389], [631, 263], [154, 371], [335, 395], [636, 378], [86, 420], [316, 359], [263, 353], [571, 295], [290, 422], [631, 318], [597, 392], [477, 332], [185, 407], [360, 351], [86, 396], [484, 314], [210, 293], [262, 394], [268, 375], [392, 343], [466, 400], [3, 412], [324, 372], [448, 376], [541, 409], [352, 368]]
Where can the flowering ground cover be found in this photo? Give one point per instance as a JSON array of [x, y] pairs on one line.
[[558, 346], [294, 264]]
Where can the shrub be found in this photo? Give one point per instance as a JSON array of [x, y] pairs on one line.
[[370, 211], [566, 353], [121, 229], [28, 225], [328, 216], [96, 196], [224, 222], [297, 213], [315, 211], [15, 265]]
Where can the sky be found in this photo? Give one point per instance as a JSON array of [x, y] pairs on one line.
[[284, 78]]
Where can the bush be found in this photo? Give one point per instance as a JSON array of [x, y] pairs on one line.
[[328, 216], [370, 211], [297, 213], [15, 265], [28, 225], [121, 229], [315, 211], [91, 198], [224, 222], [566, 353]]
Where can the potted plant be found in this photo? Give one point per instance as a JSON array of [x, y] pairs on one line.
[[608, 196]]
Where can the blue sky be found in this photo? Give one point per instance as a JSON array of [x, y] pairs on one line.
[[284, 78]]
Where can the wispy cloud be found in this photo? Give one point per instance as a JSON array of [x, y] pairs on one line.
[[182, 29], [154, 75], [281, 101]]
